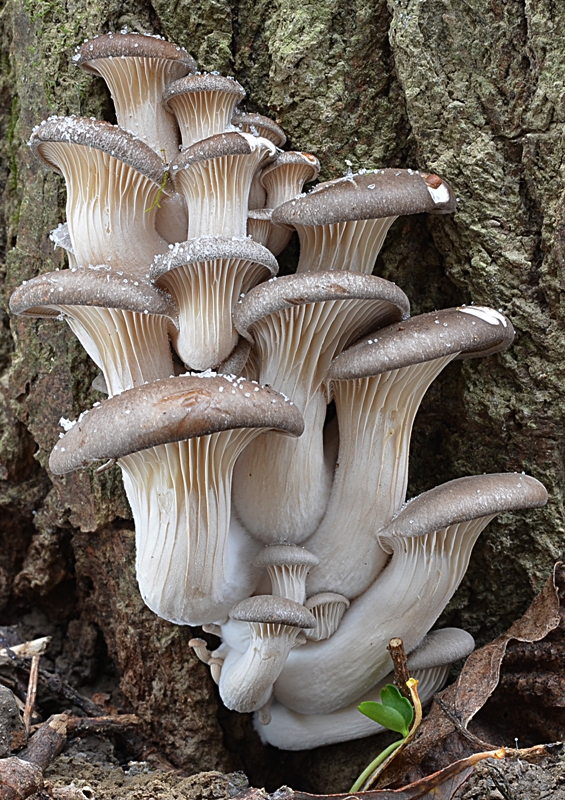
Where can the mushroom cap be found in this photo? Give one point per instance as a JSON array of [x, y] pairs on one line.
[[285, 555], [293, 157], [111, 139], [313, 287], [211, 248], [100, 286], [443, 646], [424, 338], [368, 195], [171, 410], [125, 45], [217, 146], [266, 608], [466, 499], [325, 599], [263, 125], [206, 82]]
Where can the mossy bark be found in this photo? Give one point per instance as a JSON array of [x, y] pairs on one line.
[[472, 90]]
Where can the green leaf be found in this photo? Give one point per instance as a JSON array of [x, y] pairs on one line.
[[391, 697], [385, 716]]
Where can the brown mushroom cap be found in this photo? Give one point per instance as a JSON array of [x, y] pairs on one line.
[[369, 195], [170, 411], [211, 248], [273, 610], [260, 125], [425, 338], [111, 139], [130, 45], [313, 287], [466, 499], [217, 146], [285, 555], [44, 295], [207, 82]]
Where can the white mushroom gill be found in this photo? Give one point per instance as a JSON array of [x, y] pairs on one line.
[[131, 348], [352, 245], [137, 85], [188, 558], [216, 188], [281, 490], [375, 417], [111, 208]]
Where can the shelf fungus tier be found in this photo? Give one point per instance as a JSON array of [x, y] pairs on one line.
[[377, 386], [207, 276], [342, 224], [114, 182], [281, 492], [202, 105], [123, 324], [214, 176], [137, 69], [430, 543], [176, 442]]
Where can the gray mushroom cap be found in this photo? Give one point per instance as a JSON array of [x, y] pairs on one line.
[[121, 144], [465, 499], [285, 555], [251, 123], [130, 45], [211, 248], [170, 411], [290, 158], [217, 146], [100, 286], [470, 331], [314, 287], [268, 609], [206, 82], [369, 195]]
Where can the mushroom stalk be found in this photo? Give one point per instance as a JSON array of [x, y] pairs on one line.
[[375, 417]]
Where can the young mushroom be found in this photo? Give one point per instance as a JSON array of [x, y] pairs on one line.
[[176, 442], [298, 324], [114, 181], [377, 386], [246, 682], [430, 542], [287, 566], [342, 224], [258, 125]]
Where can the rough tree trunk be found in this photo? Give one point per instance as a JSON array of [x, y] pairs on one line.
[[471, 89]]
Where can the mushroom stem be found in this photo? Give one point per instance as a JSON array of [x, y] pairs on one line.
[[375, 417], [188, 555], [290, 730]]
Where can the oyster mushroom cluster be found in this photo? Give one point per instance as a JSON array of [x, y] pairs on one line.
[[281, 529]]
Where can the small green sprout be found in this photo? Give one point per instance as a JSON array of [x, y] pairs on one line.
[[396, 713]]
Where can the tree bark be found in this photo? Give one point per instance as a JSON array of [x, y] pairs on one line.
[[472, 90]]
